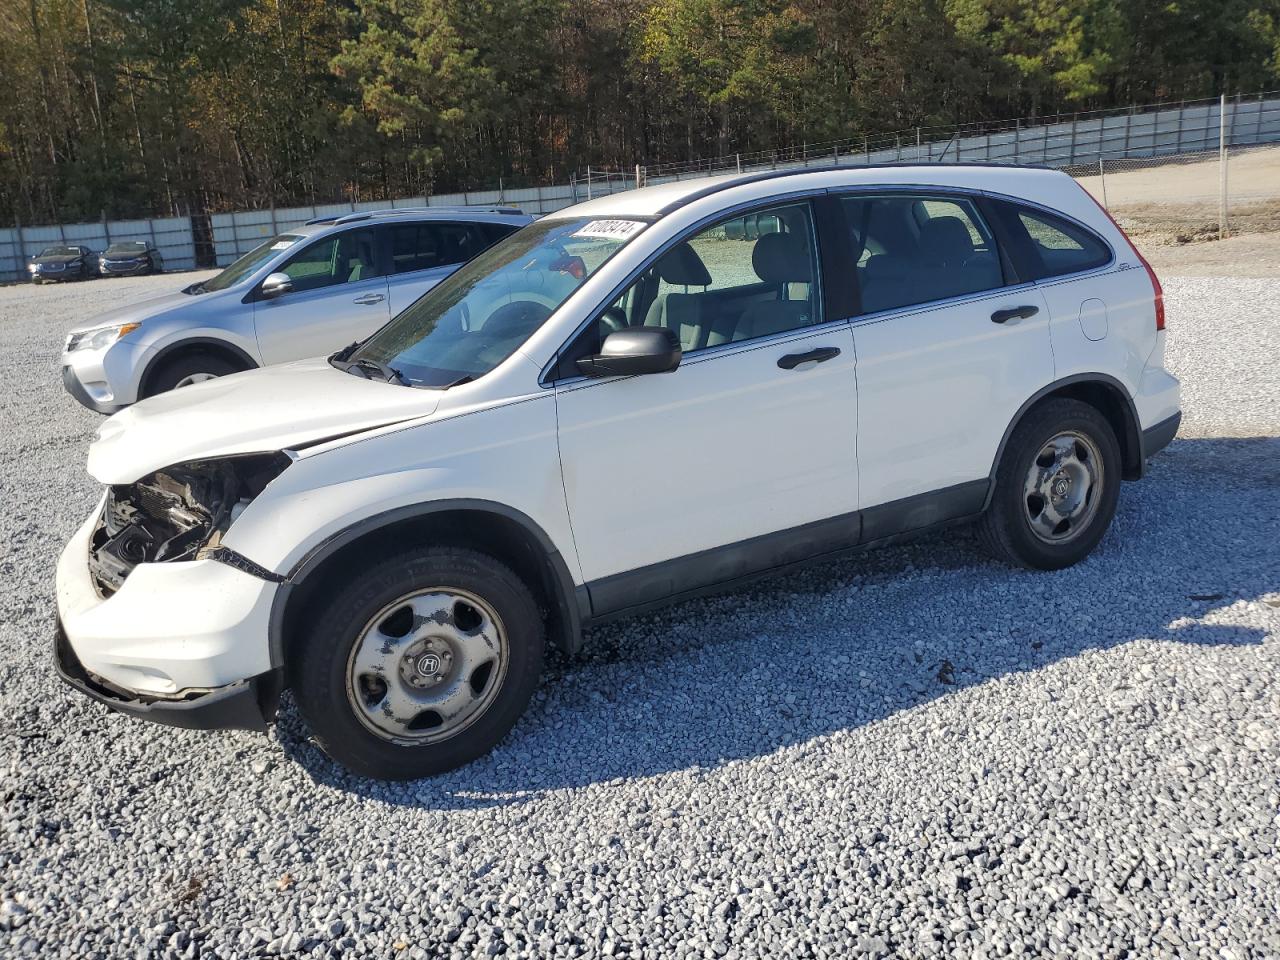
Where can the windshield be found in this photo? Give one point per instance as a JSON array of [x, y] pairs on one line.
[[477, 317], [250, 262], [58, 252], [126, 249]]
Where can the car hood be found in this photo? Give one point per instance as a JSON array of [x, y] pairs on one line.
[[276, 408], [138, 312], [44, 260]]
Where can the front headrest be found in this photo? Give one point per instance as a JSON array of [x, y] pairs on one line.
[[946, 240], [781, 258], [681, 266]]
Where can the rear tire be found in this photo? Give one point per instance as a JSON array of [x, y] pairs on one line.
[[443, 627], [1056, 487], [186, 369]]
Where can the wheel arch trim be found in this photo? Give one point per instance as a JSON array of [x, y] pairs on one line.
[[569, 599], [168, 351], [1131, 441]]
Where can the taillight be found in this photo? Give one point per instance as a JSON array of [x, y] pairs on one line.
[[1156, 290]]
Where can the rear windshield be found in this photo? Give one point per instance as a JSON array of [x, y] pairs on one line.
[[129, 249]]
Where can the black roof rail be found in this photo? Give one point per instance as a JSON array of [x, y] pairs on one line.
[[418, 211], [737, 181]]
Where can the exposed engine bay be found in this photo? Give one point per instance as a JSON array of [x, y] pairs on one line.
[[177, 513]]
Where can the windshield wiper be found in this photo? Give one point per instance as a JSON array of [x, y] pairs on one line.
[[196, 288], [363, 366], [345, 352]]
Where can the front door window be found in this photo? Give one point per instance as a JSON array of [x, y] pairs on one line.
[[342, 258]]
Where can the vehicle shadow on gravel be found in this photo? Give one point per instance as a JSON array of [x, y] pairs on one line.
[[837, 646]]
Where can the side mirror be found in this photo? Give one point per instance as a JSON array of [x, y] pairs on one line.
[[634, 351], [275, 284]]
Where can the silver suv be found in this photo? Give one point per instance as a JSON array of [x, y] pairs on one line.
[[301, 294]]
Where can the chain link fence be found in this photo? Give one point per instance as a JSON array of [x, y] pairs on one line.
[[1184, 198], [1218, 174], [1064, 140]]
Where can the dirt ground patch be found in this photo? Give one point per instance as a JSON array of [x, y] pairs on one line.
[[1251, 255], [1176, 202]]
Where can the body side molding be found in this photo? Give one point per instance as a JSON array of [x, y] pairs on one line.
[[721, 568], [924, 510]]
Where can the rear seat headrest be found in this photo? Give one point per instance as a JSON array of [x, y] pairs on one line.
[[781, 258], [681, 266], [946, 240]]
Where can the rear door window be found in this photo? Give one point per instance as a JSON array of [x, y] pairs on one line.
[[422, 246], [916, 248], [1055, 245]]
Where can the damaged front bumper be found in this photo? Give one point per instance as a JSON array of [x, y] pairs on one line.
[[248, 705], [183, 642]]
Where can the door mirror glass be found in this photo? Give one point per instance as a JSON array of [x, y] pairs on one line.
[[634, 351], [276, 284]]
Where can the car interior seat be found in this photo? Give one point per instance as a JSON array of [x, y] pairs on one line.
[[954, 265], [359, 257], [779, 259], [682, 312]]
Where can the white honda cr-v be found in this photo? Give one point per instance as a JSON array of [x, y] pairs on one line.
[[642, 397]]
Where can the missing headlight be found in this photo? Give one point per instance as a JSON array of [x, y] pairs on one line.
[[174, 513]]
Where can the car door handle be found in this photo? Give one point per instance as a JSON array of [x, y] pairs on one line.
[[370, 298], [1014, 313], [818, 355]]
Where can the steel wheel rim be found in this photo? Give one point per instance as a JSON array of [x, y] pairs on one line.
[[427, 666], [194, 378], [1063, 487]]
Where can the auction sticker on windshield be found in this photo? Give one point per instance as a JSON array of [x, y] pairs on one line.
[[610, 229]]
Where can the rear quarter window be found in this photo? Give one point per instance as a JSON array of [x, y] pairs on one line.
[[1053, 245]]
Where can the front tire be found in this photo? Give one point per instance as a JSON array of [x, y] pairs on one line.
[[420, 664], [1056, 487], [187, 369]]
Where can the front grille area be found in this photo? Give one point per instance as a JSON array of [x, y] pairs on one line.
[[161, 517], [117, 545], [173, 514]]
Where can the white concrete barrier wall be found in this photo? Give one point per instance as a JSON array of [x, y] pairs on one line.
[[172, 237], [1160, 132]]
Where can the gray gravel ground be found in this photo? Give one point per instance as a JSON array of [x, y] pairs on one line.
[[915, 753]]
